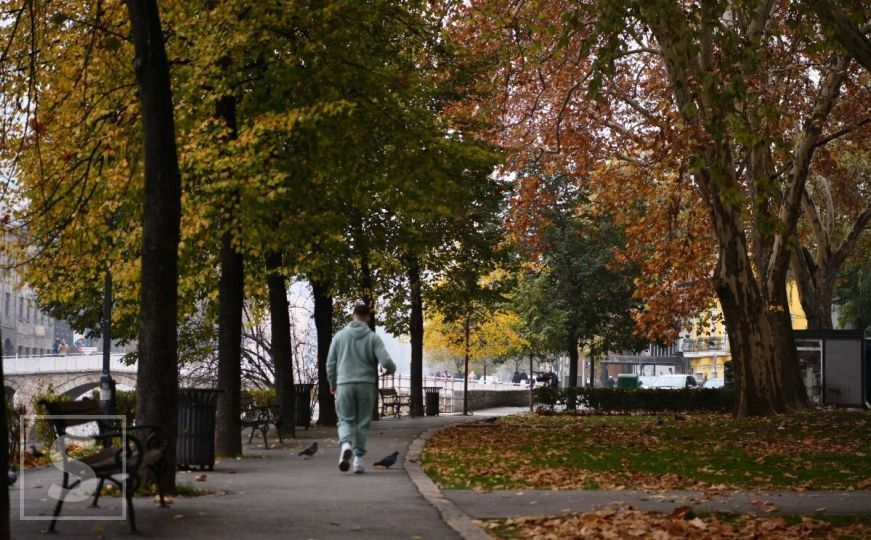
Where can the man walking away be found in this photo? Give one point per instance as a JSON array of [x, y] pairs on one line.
[[352, 370]]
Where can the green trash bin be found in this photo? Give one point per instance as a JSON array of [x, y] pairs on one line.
[[627, 381]]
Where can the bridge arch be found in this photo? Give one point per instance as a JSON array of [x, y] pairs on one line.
[[11, 390], [78, 385]]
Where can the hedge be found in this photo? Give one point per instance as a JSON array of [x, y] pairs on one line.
[[616, 400]]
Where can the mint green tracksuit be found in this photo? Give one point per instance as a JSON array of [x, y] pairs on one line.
[[352, 369]]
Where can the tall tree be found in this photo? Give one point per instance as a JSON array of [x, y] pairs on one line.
[[576, 293], [684, 94], [282, 351], [323, 315], [157, 373]]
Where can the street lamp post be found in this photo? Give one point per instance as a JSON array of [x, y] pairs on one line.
[[107, 385]]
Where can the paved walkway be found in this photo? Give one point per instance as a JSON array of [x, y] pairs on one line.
[[504, 504], [269, 494]]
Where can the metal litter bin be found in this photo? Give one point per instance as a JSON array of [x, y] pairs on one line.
[[196, 427], [432, 400], [303, 405]]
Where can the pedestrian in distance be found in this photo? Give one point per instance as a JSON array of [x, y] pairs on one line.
[[352, 371]]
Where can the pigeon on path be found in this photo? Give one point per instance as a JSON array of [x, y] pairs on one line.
[[13, 475], [35, 453], [388, 461], [310, 451]]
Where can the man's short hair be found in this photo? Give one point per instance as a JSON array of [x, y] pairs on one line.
[[362, 310]]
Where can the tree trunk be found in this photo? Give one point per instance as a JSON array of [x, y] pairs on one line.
[[415, 329], [592, 371], [324, 326], [466, 332], [531, 382], [816, 288], [573, 369], [282, 357], [157, 374], [4, 459], [760, 334], [228, 439], [369, 300]]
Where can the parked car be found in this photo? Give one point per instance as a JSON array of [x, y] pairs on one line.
[[646, 381], [675, 382], [715, 383]]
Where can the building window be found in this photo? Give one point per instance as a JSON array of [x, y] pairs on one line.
[[29, 309], [21, 308], [20, 350], [8, 309]]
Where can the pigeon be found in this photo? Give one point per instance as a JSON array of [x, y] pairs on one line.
[[35, 453], [310, 451], [13, 475], [659, 421], [388, 461]]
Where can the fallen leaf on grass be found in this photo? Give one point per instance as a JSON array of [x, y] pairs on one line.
[[698, 523]]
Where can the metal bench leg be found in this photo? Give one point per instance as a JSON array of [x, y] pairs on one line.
[[265, 441], [59, 505], [94, 503], [132, 485], [251, 437]]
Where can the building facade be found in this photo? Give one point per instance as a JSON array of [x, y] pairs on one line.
[[26, 330]]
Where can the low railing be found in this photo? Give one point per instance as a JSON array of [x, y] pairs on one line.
[[63, 364], [402, 383]]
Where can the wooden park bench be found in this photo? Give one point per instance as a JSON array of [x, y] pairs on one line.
[[393, 401], [134, 451], [259, 418]]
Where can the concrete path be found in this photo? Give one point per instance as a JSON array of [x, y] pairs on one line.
[[268, 494], [504, 504]]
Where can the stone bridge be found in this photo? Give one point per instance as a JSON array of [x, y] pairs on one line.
[[72, 375]]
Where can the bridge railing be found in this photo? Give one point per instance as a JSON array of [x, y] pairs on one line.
[[63, 364]]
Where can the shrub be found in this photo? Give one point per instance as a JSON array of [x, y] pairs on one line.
[[16, 420], [263, 397], [125, 403], [616, 400], [42, 429]]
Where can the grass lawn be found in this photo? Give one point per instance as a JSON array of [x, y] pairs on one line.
[[815, 450], [679, 524]]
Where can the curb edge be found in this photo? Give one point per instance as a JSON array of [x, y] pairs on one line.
[[451, 514]]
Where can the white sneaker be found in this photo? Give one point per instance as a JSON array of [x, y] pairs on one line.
[[345, 457], [358, 465]]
